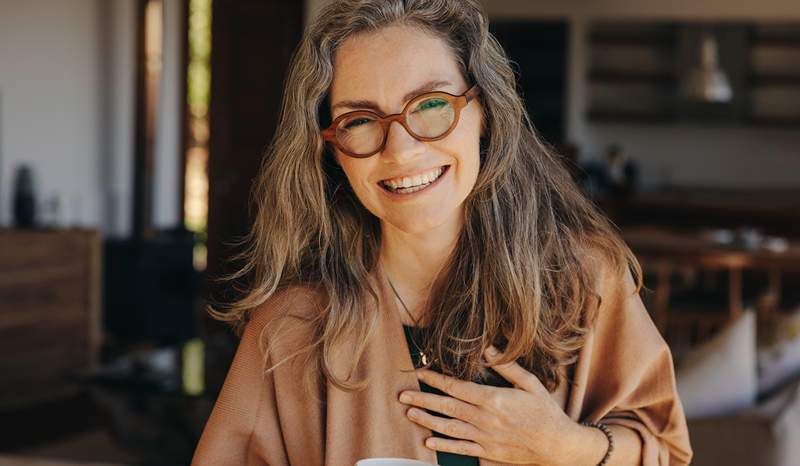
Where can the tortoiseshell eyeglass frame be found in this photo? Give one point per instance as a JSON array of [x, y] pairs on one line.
[[457, 101]]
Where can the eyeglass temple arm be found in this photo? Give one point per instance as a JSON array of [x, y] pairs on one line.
[[328, 133], [472, 92]]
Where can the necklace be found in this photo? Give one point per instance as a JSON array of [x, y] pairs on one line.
[[420, 353]]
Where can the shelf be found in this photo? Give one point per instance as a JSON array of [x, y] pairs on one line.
[[775, 40], [622, 116], [660, 78], [780, 122], [648, 81], [777, 80], [629, 34]]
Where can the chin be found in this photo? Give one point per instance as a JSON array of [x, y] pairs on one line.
[[418, 222]]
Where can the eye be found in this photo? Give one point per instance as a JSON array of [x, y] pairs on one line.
[[429, 104], [350, 124]]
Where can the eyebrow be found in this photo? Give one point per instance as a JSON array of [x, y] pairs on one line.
[[370, 105]]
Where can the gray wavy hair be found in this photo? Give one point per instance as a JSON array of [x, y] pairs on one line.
[[530, 293]]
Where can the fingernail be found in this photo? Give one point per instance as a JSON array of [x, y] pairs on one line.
[[405, 398], [492, 351]]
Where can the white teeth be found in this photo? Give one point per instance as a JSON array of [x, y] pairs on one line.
[[414, 181]]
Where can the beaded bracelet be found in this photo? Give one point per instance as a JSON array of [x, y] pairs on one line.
[[609, 435]]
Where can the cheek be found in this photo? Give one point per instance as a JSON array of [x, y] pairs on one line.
[[357, 172], [348, 166], [468, 151]]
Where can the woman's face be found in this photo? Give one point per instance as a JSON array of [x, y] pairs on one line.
[[382, 67]]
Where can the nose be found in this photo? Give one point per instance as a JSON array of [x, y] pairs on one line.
[[400, 145]]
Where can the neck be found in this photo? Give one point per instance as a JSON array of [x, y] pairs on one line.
[[413, 260]]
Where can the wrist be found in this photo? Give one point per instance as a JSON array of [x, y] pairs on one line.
[[587, 447]]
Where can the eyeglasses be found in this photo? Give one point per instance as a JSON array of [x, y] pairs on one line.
[[426, 117]]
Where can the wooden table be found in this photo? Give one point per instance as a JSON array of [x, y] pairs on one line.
[[663, 250]]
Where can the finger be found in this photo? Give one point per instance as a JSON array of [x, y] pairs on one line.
[[512, 371], [451, 427], [467, 391], [447, 405], [461, 447]]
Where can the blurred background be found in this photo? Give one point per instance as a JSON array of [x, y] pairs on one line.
[[131, 130]]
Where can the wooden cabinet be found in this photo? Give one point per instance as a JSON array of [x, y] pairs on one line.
[[636, 69], [49, 311]]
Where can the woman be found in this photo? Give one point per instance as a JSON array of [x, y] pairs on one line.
[[409, 223]]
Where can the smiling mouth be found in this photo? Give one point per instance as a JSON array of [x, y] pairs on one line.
[[412, 184]]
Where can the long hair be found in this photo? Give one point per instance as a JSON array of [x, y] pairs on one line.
[[530, 293]]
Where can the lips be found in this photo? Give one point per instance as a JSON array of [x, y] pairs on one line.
[[411, 184], [420, 179]]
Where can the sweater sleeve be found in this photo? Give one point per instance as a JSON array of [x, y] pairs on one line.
[[246, 403], [625, 375]]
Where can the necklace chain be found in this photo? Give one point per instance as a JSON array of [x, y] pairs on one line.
[[401, 301], [421, 353]]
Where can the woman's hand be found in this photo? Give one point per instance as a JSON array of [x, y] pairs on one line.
[[520, 425]]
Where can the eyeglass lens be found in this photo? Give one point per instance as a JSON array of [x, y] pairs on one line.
[[428, 117]]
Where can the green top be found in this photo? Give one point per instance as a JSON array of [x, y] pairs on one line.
[[443, 458]]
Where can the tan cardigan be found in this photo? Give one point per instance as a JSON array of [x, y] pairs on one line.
[[624, 375]]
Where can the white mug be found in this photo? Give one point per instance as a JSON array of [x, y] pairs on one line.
[[392, 462]]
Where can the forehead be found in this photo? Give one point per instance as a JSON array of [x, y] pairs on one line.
[[384, 65]]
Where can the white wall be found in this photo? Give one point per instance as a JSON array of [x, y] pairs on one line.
[[685, 155], [49, 80], [67, 108]]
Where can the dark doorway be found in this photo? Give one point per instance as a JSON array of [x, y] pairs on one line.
[[252, 42], [539, 52]]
